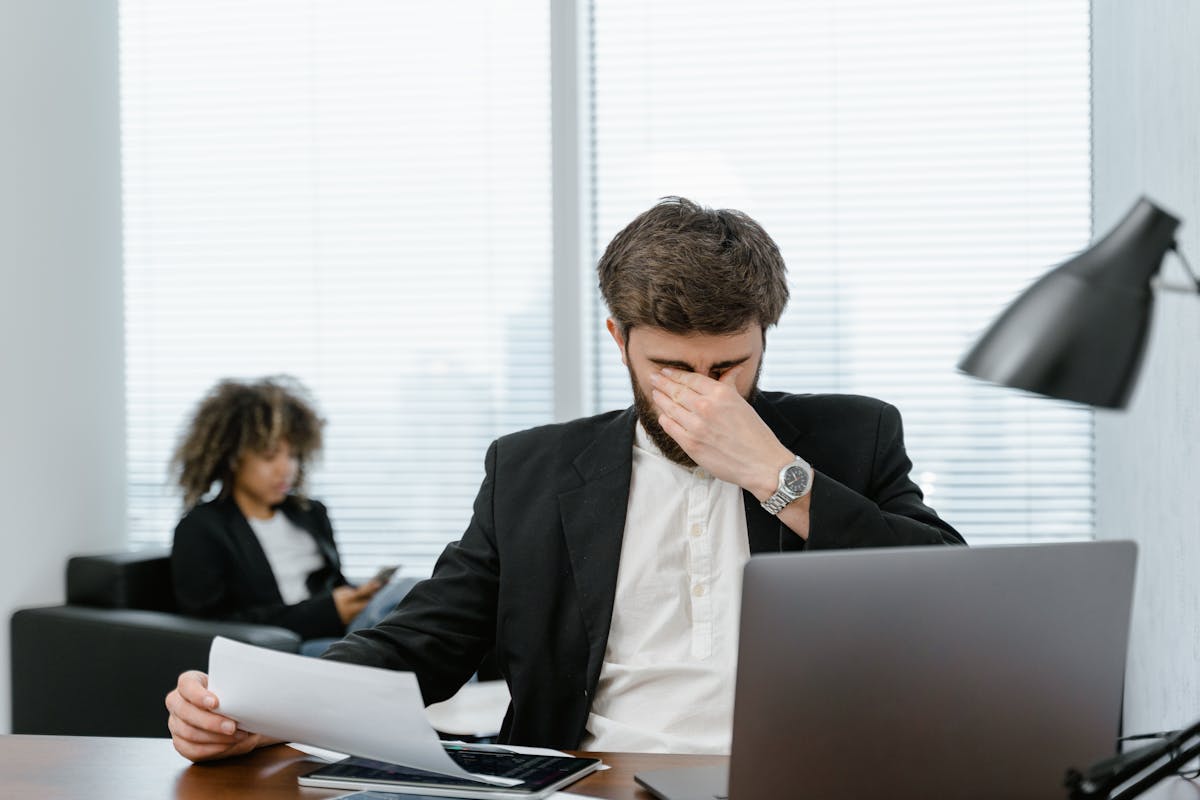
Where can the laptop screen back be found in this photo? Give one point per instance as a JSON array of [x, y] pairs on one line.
[[929, 672]]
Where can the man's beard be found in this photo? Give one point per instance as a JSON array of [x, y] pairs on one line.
[[648, 415]]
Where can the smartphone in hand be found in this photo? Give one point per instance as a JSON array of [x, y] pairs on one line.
[[385, 574]]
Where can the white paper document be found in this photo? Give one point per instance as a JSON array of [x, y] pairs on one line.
[[477, 709], [366, 711]]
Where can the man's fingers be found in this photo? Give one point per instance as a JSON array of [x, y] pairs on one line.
[[206, 752], [193, 687], [676, 432], [676, 390], [691, 389], [198, 717], [190, 733], [198, 733], [671, 409], [199, 752], [692, 380]]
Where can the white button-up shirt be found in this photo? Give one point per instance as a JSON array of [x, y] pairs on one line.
[[666, 684]]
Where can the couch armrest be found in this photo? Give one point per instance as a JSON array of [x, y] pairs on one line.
[[129, 579], [105, 672]]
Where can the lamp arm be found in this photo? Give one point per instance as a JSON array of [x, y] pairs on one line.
[[1144, 766], [1166, 768], [1194, 288]]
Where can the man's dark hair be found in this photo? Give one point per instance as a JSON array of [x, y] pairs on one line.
[[685, 268], [238, 417]]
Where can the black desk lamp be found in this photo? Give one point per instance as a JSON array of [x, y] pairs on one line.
[[1078, 333]]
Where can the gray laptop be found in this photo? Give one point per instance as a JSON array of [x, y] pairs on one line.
[[936, 672]]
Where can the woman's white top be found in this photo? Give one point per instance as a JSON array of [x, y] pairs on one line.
[[292, 553]]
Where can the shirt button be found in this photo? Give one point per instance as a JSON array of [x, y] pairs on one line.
[[698, 590], [697, 529], [701, 473]]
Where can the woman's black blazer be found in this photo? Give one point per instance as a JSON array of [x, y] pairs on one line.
[[219, 570]]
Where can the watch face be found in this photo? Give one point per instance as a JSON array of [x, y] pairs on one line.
[[795, 480]]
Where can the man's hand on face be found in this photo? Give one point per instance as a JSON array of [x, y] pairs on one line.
[[715, 425]]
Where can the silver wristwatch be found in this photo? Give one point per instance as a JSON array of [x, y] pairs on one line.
[[795, 481]]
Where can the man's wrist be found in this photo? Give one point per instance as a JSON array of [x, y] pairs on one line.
[[767, 478], [794, 482]]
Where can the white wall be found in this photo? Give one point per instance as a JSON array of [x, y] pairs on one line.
[[1146, 112], [62, 418]]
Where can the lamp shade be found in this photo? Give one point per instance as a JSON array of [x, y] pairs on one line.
[[1078, 333]]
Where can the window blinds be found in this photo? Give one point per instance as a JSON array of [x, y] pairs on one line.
[[356, 194], [919, 163], [359, 195]]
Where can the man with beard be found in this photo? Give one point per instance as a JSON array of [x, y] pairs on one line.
[[603, 560]]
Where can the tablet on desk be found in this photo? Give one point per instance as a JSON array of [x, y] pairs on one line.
[[512, 775]]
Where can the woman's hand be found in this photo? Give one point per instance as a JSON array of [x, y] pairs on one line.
[[351, 600]]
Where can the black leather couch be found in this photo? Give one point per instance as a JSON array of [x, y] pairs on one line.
[[102, 664]]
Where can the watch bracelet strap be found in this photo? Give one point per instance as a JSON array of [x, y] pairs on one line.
[[777, 502]]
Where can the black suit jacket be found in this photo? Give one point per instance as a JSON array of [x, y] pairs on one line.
[[535, 573], [219, 570]]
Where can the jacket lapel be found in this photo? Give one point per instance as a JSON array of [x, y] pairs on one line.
[[767, 533], [593, 520]]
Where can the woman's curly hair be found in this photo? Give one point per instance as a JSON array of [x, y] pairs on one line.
[[237, 417]]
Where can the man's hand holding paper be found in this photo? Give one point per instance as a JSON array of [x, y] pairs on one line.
[[198, 732], [369, 712]]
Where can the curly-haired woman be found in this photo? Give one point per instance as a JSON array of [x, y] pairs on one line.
[[260, 551]]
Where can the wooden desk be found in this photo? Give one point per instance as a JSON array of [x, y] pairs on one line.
[[72, 767]]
